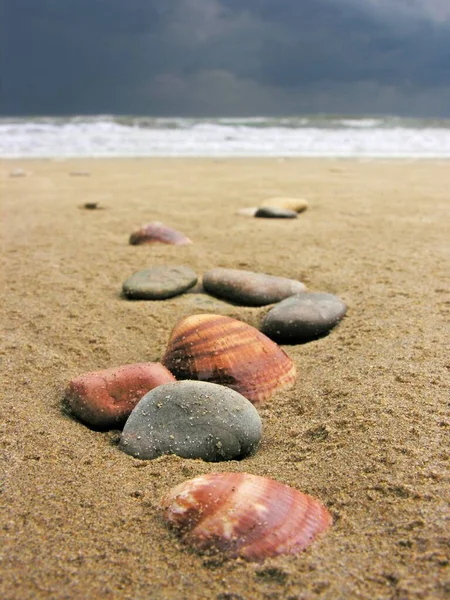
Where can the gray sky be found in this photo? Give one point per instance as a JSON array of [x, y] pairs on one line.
[[225, 57]]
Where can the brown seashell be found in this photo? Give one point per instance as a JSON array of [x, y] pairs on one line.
[[244, 515], [219, 349], [158, 232]]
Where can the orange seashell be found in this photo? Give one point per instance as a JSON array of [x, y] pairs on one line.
[[244, 515], [226, 351], [158, 232]]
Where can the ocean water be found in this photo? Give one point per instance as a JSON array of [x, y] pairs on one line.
[[313, 136]]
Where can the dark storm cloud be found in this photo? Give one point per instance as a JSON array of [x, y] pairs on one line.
[[225, 56]]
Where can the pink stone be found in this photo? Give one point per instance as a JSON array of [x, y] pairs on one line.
[[158, 232], [104, 399]]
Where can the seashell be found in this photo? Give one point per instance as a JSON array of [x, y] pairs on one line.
[[219, 349], [297, 204], [243, 515], [158, 232]]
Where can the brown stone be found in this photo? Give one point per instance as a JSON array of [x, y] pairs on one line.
[[249, 288]]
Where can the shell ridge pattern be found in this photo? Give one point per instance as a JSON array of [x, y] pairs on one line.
[[266, 536], [259, 518], [308, 521], [210, 504], [232, 519], [229, 352], [281, 530]]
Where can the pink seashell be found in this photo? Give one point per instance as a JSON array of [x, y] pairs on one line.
[[158, 232], [226, 351], [244, 515]]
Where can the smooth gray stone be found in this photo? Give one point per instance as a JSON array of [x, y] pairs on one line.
[[159, 283], [192, 419], [249, 288], [303, 317], [273, 212]]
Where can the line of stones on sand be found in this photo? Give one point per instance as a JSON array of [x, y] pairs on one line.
[[222, 424], [298, 315], [196, 419], [163, 416], [200, 419], [273, 208]]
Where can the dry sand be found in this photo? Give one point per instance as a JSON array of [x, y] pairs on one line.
[[365, 429]]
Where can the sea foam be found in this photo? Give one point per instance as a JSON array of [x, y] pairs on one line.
[[318, 136]]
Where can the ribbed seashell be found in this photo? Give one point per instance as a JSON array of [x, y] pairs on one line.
[[158, 232], [244, 515], [219, 349]]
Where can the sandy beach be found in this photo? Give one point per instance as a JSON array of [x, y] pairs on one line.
[[365, 429]]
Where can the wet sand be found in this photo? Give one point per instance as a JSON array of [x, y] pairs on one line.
[[365, 429]]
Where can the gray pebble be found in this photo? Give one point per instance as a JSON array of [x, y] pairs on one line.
[[159, 283], [273, 212], [192, 419], [249, 288], [303, 317]]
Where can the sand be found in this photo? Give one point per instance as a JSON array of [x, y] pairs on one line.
[[365, 429]]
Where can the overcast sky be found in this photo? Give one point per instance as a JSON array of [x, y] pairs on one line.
[[225, 57]]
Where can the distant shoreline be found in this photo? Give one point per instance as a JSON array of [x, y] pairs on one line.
[[136, 137]]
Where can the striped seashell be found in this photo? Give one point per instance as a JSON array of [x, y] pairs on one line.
[[158, 232], [244, 515], [219, 349]]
